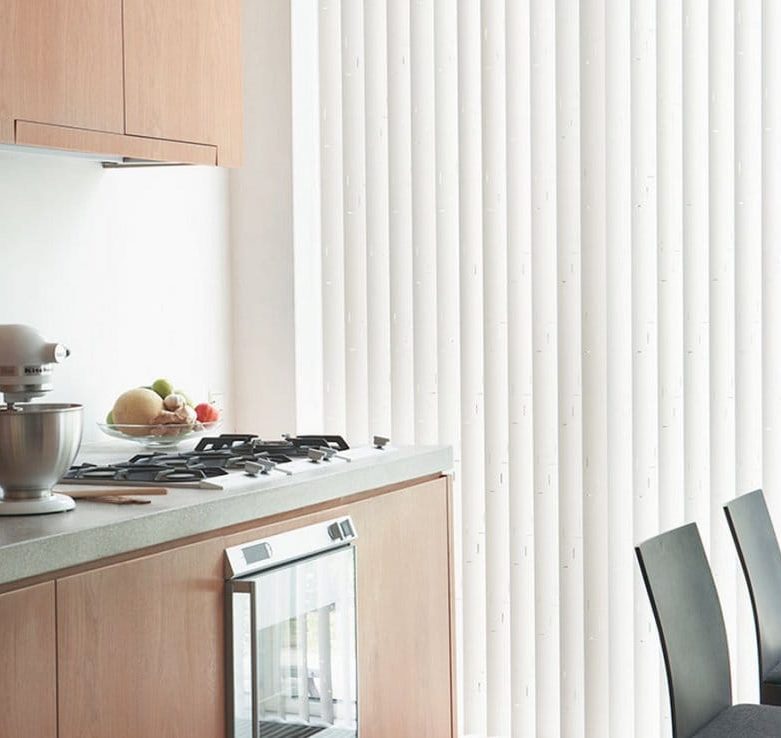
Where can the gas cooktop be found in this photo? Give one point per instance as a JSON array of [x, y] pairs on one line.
[[215, 459]]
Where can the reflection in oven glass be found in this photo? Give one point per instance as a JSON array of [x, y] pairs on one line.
[[307, 683]]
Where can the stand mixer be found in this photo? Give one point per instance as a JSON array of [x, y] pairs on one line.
[[38, 442]]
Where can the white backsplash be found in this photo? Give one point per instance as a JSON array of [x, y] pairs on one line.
[[129, 268]]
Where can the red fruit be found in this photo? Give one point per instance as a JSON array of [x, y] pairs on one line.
[[207, 413]]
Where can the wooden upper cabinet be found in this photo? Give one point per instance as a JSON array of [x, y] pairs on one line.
[[144, 79], [183, 72], [61, 64], [28, 669]]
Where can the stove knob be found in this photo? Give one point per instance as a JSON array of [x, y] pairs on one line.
[[253, 469], [335, 532]]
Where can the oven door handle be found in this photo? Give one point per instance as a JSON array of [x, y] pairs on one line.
[[253, 619], [246, 588]]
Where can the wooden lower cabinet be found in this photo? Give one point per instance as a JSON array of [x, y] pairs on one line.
[[404, 607], [404, 614], [27, 663], [141, 647], [141, 643]]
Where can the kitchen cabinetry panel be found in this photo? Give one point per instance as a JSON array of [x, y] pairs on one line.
[[183, 72], [404, 608], [61, 63], [141, 644], [404, 622], [27, 666], [141, 647], [113, 144]]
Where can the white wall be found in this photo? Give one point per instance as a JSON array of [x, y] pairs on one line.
[[129, 268], [262, 227]]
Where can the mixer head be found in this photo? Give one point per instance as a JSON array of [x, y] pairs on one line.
[[26, 361]]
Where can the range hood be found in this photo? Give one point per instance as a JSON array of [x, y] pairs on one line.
[[112, 150], [105, 160]]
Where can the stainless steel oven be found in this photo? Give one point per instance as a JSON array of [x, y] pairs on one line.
[[291, 639]]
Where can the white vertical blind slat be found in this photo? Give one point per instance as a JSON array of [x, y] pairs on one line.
[[355, 296], [424, 220], [748, 300], [594, 352], [568, 173], [377, 218], [696, 264], [670, 193], [332, 218], [771, 256], [448, 268], [447, 235], [670, 289], [520, 367], [645, 351], [618, 207], [721, 156], [472, 398], [400, 223], [497, 508], [545, 344], [307, 244]]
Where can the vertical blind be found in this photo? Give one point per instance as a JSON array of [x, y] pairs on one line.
[[549, 234]]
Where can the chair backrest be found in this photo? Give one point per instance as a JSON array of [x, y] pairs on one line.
[[691, 627], [757, 545]]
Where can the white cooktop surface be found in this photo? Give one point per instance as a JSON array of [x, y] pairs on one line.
[[111, 453]]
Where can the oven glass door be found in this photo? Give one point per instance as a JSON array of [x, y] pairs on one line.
[[294, 651]]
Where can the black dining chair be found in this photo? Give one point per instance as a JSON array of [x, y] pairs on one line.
[[694, 642], [760, 557]]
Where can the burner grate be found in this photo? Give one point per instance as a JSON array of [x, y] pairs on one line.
[[212, 457], [140, 473], [223, 441]]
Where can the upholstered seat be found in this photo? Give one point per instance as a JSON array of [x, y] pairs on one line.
[[744, 721], [694, 642]]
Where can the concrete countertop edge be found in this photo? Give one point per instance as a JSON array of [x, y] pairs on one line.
[[27, 559]]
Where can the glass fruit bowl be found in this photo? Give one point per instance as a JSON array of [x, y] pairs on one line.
[[158, 436]]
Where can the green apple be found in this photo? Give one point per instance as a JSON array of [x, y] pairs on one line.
[[110, 418], [163, 387]]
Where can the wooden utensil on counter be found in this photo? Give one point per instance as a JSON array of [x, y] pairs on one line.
[[120, 500], [84, 494]]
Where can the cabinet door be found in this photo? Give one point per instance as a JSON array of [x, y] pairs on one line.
[[404, 608], [140, 647], [183, 72], [404, 613], [27, 665], [61, 63]]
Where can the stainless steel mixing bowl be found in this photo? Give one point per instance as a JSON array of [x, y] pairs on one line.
[[38, 442]]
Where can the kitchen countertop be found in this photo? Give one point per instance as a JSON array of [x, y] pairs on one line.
[[41, 544]]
